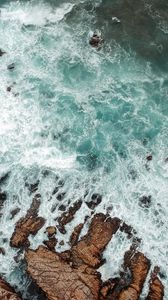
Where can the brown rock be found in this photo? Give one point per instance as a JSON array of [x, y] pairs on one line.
[[30, 224], [59, 280], [6, 292], [51, 243], [14, 212], [51, 230], [75, 234], [89, 249], [139, 266], [2, 251], [156, 288], [68, 216]]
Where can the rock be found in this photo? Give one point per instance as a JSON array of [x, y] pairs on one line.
[[72, 275], [58, 279], [51, 243], [96, 199], [2, 251], [75, 234], [2, 52], [9, 88], [145, 201], [14, 212], [62, 207], [3, 198], [96, 40], [68, 216], [149, 157], [6, 292], [32, 187], [30, 224], [89, 249], [51, 230], [138, 265], [11, 66], [156, 288]]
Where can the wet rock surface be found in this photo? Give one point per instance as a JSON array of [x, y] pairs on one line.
[[156, 288], [30, 224], [73, 274], [7, 292], [68, 216]]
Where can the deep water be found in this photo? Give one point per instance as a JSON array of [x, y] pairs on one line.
[[85, 120]]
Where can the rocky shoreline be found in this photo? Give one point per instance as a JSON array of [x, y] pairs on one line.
[[73, 274]]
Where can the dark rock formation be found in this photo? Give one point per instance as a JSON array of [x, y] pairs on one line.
[[68, 216], [11, 67], [96, 40], [75, 234], [30, 224], [2, 52], [6, 292], [156, 288], [96, 199]]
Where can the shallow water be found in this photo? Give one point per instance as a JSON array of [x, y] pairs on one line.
[[85, 120]]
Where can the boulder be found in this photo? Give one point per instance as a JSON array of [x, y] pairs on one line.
[[7, 292], [30, 224], [156, 288]]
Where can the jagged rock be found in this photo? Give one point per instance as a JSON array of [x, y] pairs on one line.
[[72, 275], [68, 216], [2, 251], [156, 288], [59, 280], [96, 40], [51, 230], [89, 249], [96, 199], [75, 234], [30, 224], [6, 292], [14, 212], [138, 265], [51, 243]]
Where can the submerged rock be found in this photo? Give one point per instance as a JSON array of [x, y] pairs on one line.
[[2, 52], [96, 40], [30, 224], [7, 292], [156, 288], [11, 66]]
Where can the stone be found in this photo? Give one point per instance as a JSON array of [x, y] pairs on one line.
[[89, 249], [30, 224], [11, 67], [51, 243], [96, 199], [96, 40], [58, 279], [149, 157], [138, 265], [2, 52], [7, 292], [68, 216], [51, 230], [75, 234], [156, 288], [145, 201], [2, 251]]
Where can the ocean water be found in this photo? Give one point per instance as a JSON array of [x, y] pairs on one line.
[[85, 120]]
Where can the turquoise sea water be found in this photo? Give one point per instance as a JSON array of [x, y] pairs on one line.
[[85, 120]]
